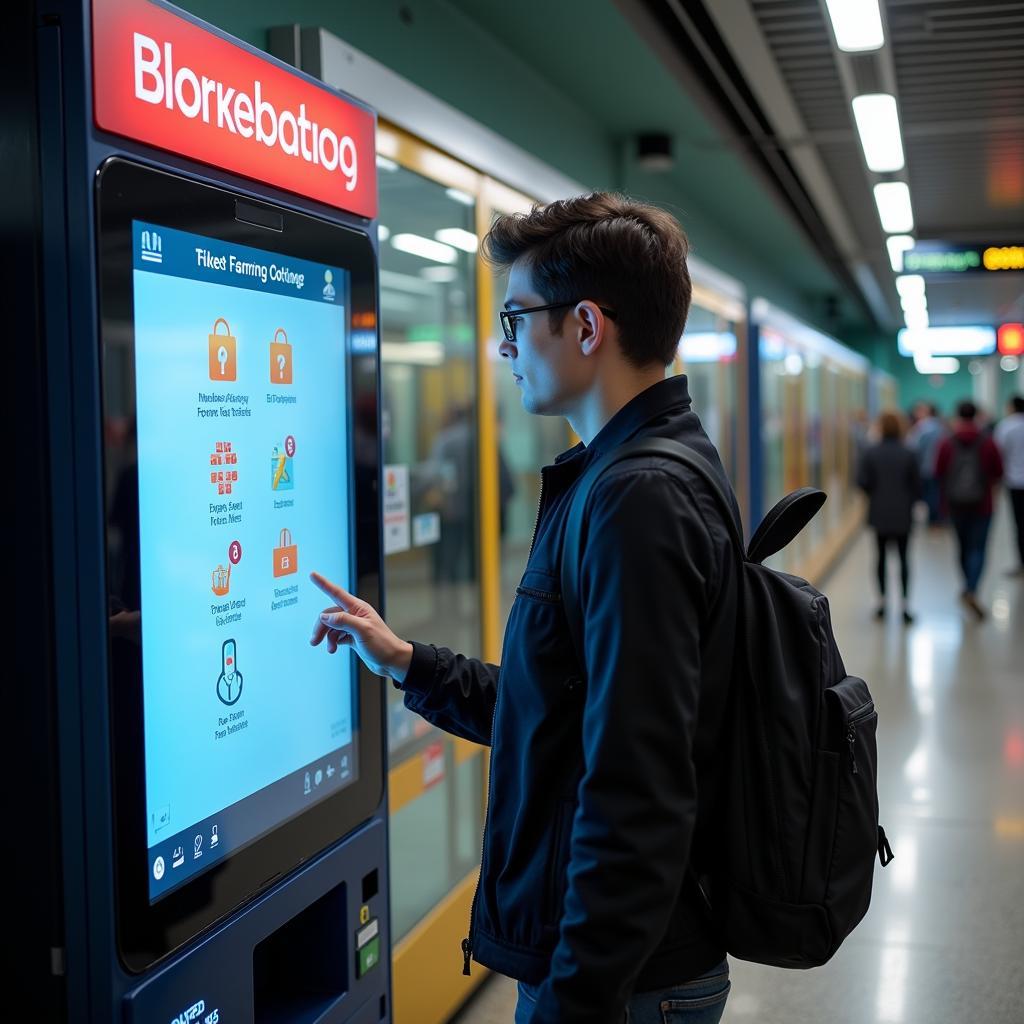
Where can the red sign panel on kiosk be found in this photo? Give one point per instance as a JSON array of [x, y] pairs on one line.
[[167, 82]]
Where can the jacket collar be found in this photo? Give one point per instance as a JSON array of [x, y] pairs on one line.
[[671, 395]]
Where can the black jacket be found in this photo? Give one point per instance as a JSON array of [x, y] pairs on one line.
[[600, 790], [890, 476]]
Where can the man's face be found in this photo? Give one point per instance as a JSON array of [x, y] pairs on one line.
[[547, 367]]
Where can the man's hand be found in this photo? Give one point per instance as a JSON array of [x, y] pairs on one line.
[[351, 622]]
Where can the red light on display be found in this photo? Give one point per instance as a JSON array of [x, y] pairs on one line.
[[1010, 340]]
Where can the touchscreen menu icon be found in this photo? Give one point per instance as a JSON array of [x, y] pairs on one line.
[[220, 578], [151, 248], [282, 471], [280, 358], [229, 682], [222, 459], [286, 555], [223, 353], [179, 857]]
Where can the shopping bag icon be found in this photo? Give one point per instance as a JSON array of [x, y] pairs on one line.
[[280, 359], [286, 555], [223, 364]]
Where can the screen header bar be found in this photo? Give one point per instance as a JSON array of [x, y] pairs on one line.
[[162, 250]]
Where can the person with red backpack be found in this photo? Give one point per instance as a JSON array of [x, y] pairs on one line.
[[968, 464]]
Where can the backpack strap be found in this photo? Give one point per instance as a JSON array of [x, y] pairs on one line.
[[784, 522], [572, 543]]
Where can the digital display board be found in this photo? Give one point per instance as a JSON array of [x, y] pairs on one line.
[[243, 486]]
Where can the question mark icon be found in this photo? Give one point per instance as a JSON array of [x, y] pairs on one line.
[[280, 365], [222, 358]]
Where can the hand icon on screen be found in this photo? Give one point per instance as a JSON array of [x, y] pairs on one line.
[[229, 682]]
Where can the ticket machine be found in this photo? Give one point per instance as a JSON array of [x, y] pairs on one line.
[[208, 347]]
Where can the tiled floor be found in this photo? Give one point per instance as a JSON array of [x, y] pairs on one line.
[[943, 942]]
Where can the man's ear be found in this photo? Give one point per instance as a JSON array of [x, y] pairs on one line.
[[591, 326]]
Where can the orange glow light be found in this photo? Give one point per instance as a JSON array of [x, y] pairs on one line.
[[1010, 340]]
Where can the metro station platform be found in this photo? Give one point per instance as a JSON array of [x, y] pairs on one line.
[[943, 939]]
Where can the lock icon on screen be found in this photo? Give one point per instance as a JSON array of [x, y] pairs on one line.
[[280, 359], [286, 555], [223, 361]]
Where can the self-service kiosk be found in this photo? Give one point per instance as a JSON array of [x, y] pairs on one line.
[[208, 299]]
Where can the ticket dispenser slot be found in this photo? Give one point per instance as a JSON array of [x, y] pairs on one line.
[[301, 970]]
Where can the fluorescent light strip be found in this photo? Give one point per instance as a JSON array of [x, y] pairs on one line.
[[893, 201], [897, 246], [913, 303], [425, 248], [878, 125], [916, 319], [935, 364], [461, 239], [947, 341], [910, 284], [857, 24], [459, 196], [383, 232]]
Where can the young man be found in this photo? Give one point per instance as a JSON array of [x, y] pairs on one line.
[[968, 465], [1009, 437], [603, 766]]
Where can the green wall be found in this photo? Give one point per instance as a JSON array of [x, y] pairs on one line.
[[572, 82]]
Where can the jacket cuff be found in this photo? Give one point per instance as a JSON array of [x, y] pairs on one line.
[[419, 680]]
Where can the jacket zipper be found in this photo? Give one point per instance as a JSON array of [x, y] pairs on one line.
[[536, 525], [467, 942], [862, 713]]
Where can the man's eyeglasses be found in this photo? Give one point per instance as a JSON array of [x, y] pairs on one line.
[[508, 316]]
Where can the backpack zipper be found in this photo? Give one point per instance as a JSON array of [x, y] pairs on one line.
[[467, 942], [864, 712]]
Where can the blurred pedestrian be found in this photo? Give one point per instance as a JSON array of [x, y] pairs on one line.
[[924, 437], [890, 477], [1009, 437], [967, 466]]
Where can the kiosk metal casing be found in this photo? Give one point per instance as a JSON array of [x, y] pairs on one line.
[[309, 939]]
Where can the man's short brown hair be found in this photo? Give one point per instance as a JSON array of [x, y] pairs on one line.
[[890, 425], [612, 250]]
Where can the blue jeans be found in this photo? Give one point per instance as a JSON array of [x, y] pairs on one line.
[[933, 499], [972, 533], [700, 1001]]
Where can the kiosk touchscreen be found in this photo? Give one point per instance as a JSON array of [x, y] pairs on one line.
[[240, 750]]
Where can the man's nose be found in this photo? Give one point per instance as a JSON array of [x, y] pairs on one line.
[[506, 349]]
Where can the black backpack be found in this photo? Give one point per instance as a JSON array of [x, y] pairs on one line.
[[966, 483], [797, 831]]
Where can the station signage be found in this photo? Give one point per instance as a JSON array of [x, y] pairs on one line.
[[943, 258], [166, 81]]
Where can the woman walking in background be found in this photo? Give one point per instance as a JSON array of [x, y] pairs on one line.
[[890, 477]]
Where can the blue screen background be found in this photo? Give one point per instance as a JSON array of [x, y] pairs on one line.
[[296, 703]]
